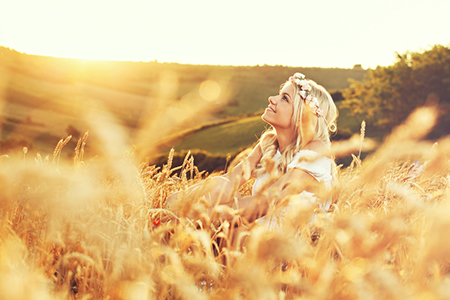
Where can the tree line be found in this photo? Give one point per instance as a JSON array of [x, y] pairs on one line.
[[389, 94]]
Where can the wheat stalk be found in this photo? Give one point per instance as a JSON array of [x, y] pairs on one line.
[[361, 137], [85, 232]]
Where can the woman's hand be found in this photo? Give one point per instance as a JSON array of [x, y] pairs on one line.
[[293, 182]]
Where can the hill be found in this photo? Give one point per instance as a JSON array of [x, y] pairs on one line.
[[43, 99], [224, 139]]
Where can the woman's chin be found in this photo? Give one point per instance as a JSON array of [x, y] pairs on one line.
[[265, 119]]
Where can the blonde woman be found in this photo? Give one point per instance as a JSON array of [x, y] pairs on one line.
[[293, 158]]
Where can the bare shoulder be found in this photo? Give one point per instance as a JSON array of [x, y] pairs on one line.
[[319, 147]]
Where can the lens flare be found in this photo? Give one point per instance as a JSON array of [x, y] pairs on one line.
[[209, 90]]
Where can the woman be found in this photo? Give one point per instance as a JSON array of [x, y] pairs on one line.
[[293, 158]]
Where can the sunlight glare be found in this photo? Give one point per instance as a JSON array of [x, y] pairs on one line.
[[168, 85], [200, 32], [209, 90]]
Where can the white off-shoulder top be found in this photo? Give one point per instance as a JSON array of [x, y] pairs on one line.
[[315, 164]]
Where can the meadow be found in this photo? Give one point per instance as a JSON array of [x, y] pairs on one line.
[[44, 99], [82, 202], [92, 229]]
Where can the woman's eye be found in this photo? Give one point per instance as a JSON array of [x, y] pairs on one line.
[[285, 99]]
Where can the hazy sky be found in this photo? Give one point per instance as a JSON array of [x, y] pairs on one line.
[[322, 33]]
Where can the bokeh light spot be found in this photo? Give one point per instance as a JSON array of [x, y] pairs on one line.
[[209, 90]]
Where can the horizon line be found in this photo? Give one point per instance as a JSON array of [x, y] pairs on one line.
[[181, 63]]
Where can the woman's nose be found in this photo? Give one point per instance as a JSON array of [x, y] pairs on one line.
[[272, 100]]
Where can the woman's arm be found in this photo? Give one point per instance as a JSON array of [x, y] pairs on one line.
[[243, 170], [222, 189], [293, 182]]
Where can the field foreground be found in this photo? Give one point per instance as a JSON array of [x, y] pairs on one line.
[[93, 231]]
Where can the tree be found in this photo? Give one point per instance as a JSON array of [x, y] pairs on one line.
[[389, 94]]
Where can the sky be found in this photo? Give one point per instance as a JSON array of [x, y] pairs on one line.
[[320, 33]]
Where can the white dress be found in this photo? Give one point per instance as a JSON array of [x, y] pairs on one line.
[[315, 164]]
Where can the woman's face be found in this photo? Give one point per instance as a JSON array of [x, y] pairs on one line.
[[281, 107]]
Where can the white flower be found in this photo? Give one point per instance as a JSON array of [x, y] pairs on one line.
[[305, 85], [319, 112], [305, 88], [303, 94]]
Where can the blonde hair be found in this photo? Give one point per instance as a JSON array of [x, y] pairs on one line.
[[324, 127]]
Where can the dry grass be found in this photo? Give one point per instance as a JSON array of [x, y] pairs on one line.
[[87, 231]]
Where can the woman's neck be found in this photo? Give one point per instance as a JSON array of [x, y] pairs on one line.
[[308, 130], [287, 137], [307, 137]]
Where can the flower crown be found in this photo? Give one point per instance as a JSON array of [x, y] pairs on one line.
[[300, 80]]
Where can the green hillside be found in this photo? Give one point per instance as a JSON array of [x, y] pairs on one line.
[[225, 139], [43, 99]]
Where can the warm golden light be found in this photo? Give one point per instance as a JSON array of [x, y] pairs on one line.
[[168, 85], [201, 32], [209, 90]]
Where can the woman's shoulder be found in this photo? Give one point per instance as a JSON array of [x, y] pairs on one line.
[[315, 159], [318, 147]]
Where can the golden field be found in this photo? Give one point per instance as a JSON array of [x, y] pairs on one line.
[[85, 228]]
